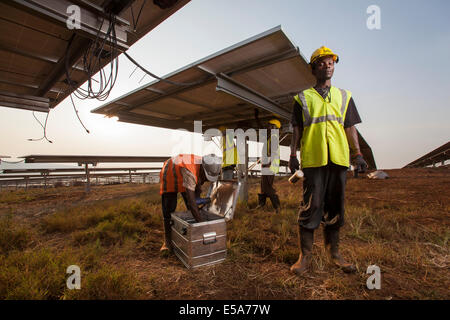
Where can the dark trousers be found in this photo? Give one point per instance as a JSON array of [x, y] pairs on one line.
[[323, 197], [169, 205], [267, 185]]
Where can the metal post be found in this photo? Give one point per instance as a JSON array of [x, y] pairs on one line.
[[129, 171], [88, 180], [245, 184]]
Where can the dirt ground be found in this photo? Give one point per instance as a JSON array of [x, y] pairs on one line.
[[400, 224]]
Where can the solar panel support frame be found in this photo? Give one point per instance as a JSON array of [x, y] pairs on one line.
[[89, 25], [238, 90], [27, 102]]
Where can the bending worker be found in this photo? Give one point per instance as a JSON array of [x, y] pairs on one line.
[[324, 119], [270, 165], [185, 173]]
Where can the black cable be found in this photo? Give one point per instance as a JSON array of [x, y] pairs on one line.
[[92, 60], [44, 127], [159, 78], [139, 14], [76, 112]]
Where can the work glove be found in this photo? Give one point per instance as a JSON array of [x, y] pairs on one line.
[[294, 165], [360, 163]]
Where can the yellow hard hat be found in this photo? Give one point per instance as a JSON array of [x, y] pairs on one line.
[[276, 122], [323, 52], [222, 128]]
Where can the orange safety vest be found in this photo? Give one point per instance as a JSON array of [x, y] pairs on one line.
[[170, 177]]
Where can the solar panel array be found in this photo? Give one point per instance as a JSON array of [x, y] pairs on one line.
[[440, 154]]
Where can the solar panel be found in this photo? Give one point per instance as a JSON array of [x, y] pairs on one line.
[[90, 159], [440, 154], [262, 72], [35, 42]]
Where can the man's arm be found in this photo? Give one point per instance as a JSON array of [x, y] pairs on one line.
[[193, 205], [297, 126], [295, 141], [192, 188], [352, 138]]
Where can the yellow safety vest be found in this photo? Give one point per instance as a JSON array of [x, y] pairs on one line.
[[323, 127], [229, 150]]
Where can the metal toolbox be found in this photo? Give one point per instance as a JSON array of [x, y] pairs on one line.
[[199, 244]]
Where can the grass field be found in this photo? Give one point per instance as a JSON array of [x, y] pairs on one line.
[[114, 234]]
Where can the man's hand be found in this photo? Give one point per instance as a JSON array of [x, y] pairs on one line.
[[193, 205], [294, 165], [360, 163]]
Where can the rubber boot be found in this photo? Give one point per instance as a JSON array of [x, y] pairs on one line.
[[167, 238], [306, 239], [331, 237], [261, 201], [275, 202]]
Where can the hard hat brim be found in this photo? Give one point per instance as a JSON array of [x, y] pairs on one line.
[[335, 58], [210, 177], [276, 123]]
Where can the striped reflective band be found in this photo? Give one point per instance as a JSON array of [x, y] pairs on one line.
[[344, 101], [307, 121], [330, 117], [175, 177], [166, 168], [229, 145]]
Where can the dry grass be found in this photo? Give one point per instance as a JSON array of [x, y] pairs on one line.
[[114, 235], [12, 236]]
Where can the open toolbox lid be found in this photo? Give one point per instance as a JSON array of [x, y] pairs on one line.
[[224, 195]]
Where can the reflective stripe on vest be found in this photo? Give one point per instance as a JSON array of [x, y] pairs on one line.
[[171, 179], [323, 127]]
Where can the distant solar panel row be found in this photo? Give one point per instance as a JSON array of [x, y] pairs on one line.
[[440, 154]]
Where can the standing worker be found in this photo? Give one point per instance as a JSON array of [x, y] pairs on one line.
[[229, 155], [185, 173], [270, 165], [324, 119]]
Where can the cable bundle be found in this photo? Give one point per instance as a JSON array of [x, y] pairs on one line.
[[91, 63]]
